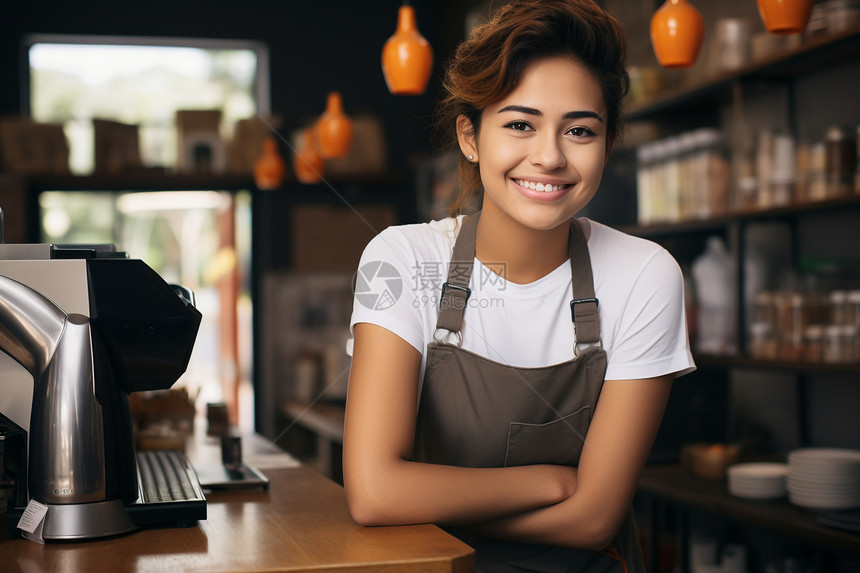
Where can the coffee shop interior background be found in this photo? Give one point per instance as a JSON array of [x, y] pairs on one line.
[[766, 235]]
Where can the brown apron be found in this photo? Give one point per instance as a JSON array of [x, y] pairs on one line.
[[475, 412]]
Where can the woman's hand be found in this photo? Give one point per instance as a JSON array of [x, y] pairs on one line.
[[384, 488], [616, 448]]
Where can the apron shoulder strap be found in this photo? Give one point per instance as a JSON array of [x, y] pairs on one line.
[[583, 307], [455, 291]]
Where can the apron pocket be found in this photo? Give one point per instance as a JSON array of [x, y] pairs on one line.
[[558, 442]]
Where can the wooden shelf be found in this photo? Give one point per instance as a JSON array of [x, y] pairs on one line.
[[143, 181], [814, 53], [718, 223], [677, 485], [155, 180]]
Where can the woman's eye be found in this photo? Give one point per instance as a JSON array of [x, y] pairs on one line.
[[518, 125], [581, 132]]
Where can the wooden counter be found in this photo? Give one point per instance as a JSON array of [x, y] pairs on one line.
[[300, 524]]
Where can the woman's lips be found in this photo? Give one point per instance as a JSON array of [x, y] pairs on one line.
[[541, 191]]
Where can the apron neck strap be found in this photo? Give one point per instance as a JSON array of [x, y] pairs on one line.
[[455, 292]]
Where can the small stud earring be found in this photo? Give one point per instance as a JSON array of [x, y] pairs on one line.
[[471, 157]]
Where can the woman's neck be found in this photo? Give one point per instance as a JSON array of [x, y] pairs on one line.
[[518, 253]]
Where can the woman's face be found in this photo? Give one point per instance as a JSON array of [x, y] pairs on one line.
[[542, 148]]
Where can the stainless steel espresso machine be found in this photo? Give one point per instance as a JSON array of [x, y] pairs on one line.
[[82, 327]]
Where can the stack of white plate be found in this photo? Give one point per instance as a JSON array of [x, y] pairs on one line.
[[824, 478], [762, 480]]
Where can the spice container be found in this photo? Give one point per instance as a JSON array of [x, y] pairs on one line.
[[764, 169], [852, 308], [813, 343], [782, 171], [838, 307], [733, 42], [764, 308], [644, 191], [816, 179], [802, 161], [687, 183], [790, 325], [840, 157], [763, 343], [857, 170], [839, 343]]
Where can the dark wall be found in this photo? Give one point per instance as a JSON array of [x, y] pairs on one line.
[[315, 46]]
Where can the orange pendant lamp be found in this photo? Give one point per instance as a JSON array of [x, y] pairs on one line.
[[269, 169], [785, 16], [307, 161], [677, 29], [334, 129], [407, 58]]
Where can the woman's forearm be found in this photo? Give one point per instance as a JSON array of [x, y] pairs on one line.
[[569, 523], [410, 492]]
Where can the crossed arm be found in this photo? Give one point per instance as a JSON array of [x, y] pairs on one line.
[[577, 507]]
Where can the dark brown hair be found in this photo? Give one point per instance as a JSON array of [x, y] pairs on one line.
[[488, 66]]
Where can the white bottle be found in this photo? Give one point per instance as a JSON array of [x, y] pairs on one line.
[[714, 276]]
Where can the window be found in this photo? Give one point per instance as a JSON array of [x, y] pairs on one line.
[[141, 81], [200, 239]]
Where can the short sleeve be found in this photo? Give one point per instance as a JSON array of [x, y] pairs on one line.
[[651, 338], [383, 291]]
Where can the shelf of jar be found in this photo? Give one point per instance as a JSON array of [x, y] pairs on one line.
[[742, 361], [721, 221], [813, 53]]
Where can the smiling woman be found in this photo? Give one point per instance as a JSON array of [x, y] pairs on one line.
[[531, 429]]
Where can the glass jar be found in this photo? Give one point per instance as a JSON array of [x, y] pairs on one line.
[[839, 307], [839, 343], [687, 182], [672, 178], [803, 165], [764, 169], [816, 177], [763, 343], [841, 153], [852, 304], [857, 170], [790, 324], [813, 343], [782, 171], [644, 168], [764, 309]]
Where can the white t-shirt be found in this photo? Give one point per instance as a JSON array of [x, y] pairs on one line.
[[638, 284]]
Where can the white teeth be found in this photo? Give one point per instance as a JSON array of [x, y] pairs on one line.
[[537, 186]]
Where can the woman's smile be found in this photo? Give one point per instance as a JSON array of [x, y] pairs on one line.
[[539, 190]]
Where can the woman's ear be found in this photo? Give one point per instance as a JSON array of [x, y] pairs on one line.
[[466, 136]]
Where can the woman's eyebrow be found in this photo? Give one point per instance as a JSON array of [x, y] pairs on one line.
[[537, 113]]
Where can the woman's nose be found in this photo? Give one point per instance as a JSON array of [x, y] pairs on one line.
[[548, 152]]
